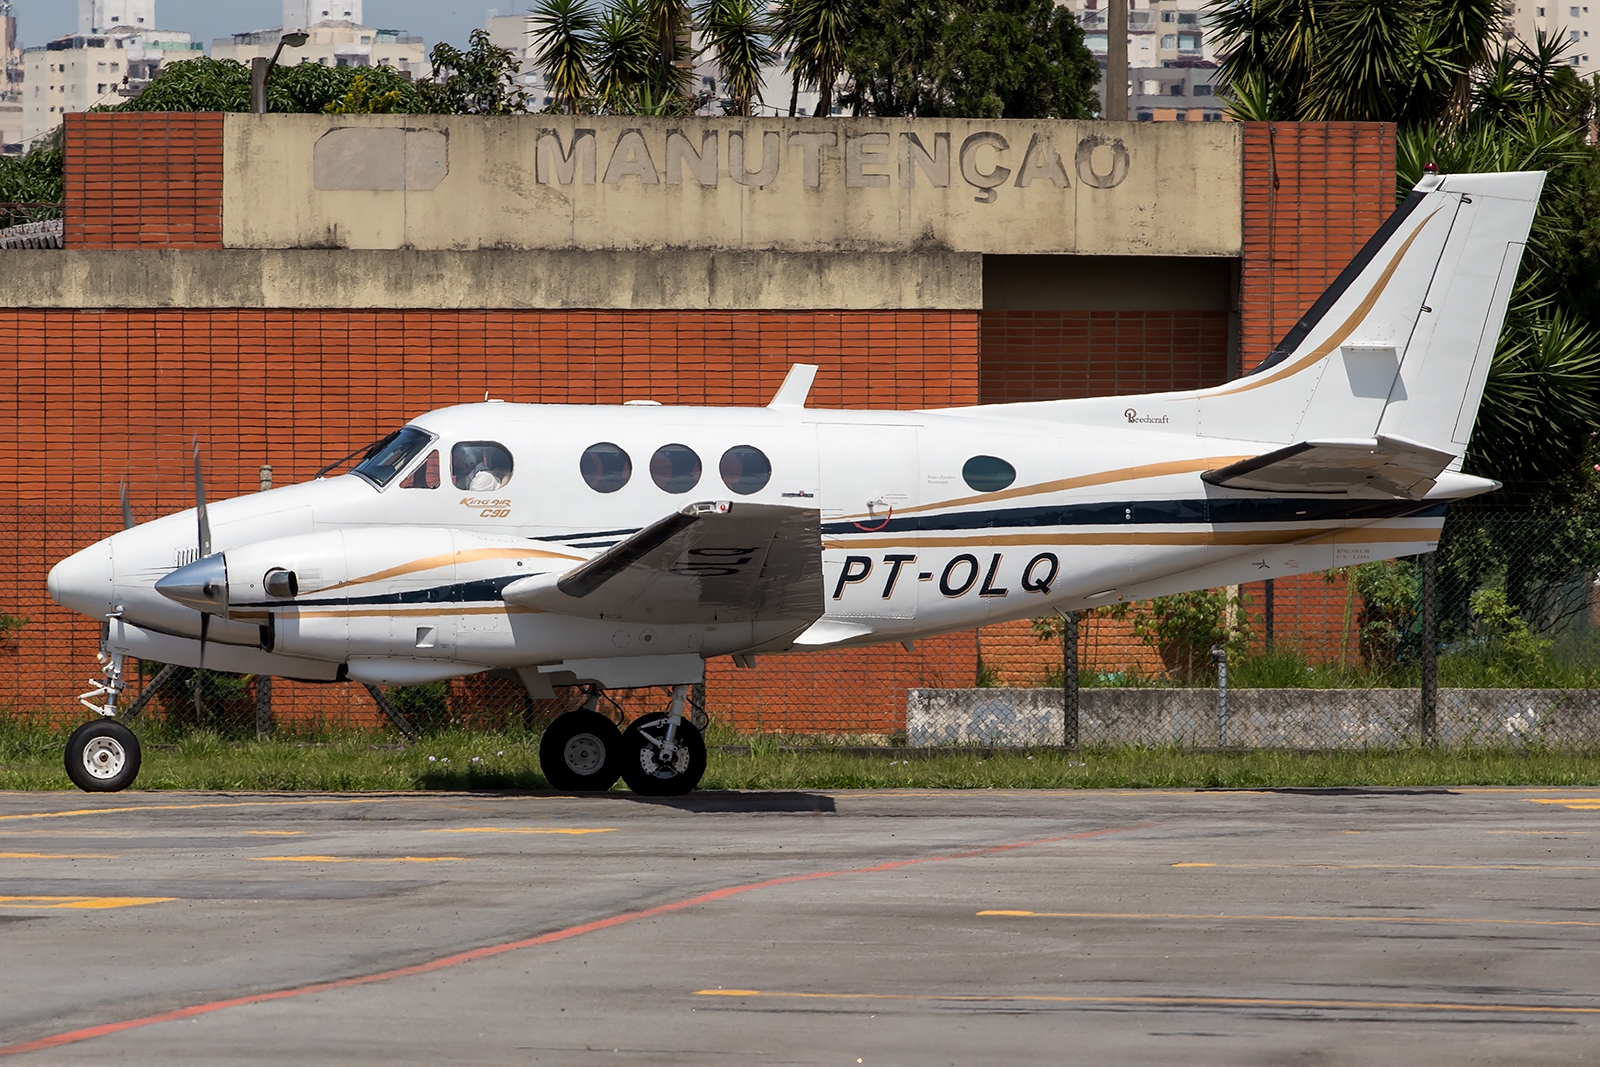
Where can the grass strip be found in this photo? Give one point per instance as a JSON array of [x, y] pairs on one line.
[[31, 759]]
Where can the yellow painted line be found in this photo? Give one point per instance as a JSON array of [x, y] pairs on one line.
[[1389, 866], [274, 833], [1169, 1001], [525, 830], [79, 903], [57, 856], [191, 807], [1575, 803], [359, 859], [1287, 918]]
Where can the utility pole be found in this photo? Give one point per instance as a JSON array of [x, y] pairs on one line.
[[1117, 61]]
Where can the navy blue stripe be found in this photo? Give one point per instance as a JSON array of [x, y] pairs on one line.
[[1224, 511], [484, 589]]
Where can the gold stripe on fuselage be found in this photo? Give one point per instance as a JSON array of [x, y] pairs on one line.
[[471, 555]]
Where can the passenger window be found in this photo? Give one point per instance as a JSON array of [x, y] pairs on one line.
[[426, 476], [745, 469], [675, 468], [480, 466], [605, 467], [988, 474]]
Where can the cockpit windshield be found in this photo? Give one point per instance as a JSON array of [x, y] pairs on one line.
[[391, 455]]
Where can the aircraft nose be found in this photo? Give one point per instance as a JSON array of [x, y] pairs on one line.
[[201, 585], [83, 581]]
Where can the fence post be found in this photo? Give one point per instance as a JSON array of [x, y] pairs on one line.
[[264, 681], [1069, 679], [263, 705], [1428, 707], [1219, 653]]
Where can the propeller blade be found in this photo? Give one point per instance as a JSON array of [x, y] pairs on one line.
[[205, 627], [127, 508], [200, 503]]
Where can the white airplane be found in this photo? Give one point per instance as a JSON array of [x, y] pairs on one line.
[[623, 546]]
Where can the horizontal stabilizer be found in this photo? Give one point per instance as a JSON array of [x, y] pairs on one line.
[[1379, 466], [712, 562]]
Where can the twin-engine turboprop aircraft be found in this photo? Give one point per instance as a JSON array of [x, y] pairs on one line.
[[619, 547]]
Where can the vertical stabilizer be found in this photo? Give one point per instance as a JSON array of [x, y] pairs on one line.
[[1400, 343]]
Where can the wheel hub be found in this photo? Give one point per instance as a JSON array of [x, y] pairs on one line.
[[104, 757], [584, 754], [659, 764]]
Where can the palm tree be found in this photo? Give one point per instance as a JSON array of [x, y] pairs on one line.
[[738, 32], [624, 56], [816, 33], [668, 24], [564, 31]]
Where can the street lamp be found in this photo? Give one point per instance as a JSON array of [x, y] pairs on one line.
[[261, 68]]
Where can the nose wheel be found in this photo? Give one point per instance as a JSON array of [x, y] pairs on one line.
[[102, 757]]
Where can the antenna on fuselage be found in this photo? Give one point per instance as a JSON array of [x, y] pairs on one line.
[[796, 386]]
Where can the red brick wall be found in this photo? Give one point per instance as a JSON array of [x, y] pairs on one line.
[[1313, 193], [1051, 355], [86, 398], [143, 180]]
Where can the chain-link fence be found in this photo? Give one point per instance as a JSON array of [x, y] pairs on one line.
[[1493, 640], [1336, 660]]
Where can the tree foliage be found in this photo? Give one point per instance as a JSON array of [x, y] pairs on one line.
[[737, 33], [970, 59]]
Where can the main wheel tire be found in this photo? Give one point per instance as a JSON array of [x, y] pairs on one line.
[[102, 756], [581, 751], [642, 767]]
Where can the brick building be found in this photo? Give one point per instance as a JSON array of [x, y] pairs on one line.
[[290, 287]]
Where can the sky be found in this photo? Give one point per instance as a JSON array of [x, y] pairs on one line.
[[39, 21]]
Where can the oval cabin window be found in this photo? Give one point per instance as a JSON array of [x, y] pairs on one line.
[[988, 474], [605, 467], [745, 469], [675, 468]]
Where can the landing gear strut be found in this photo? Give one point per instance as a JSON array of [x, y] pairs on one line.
[[103, 756], [663, 755], [582, 749]]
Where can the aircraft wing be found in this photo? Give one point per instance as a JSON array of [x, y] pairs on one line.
[[711, 562], [1387, 466]]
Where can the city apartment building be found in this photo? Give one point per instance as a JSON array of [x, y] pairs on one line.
[[338, 38], [1571, 23], [1171, 59], [114, 55]]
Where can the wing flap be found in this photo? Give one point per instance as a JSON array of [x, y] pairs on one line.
[[712, 562], [1382, 466]]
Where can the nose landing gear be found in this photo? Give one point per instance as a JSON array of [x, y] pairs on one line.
[[103, 756]]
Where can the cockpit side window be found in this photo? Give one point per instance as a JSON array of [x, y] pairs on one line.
[[426, 476], [391, 455], [480, 466]]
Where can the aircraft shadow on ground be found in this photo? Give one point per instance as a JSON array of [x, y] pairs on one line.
[[713, 801]]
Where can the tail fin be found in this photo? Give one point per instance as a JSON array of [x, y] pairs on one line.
[[1400, 344]]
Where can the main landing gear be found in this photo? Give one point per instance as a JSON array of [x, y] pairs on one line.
[[103, 756], [661, 754]]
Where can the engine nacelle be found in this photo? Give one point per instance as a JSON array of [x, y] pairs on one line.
[[362, 592]]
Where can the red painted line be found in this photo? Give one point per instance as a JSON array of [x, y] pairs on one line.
[[72, 1037]]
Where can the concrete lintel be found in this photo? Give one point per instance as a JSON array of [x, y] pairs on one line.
[[452, 280]]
